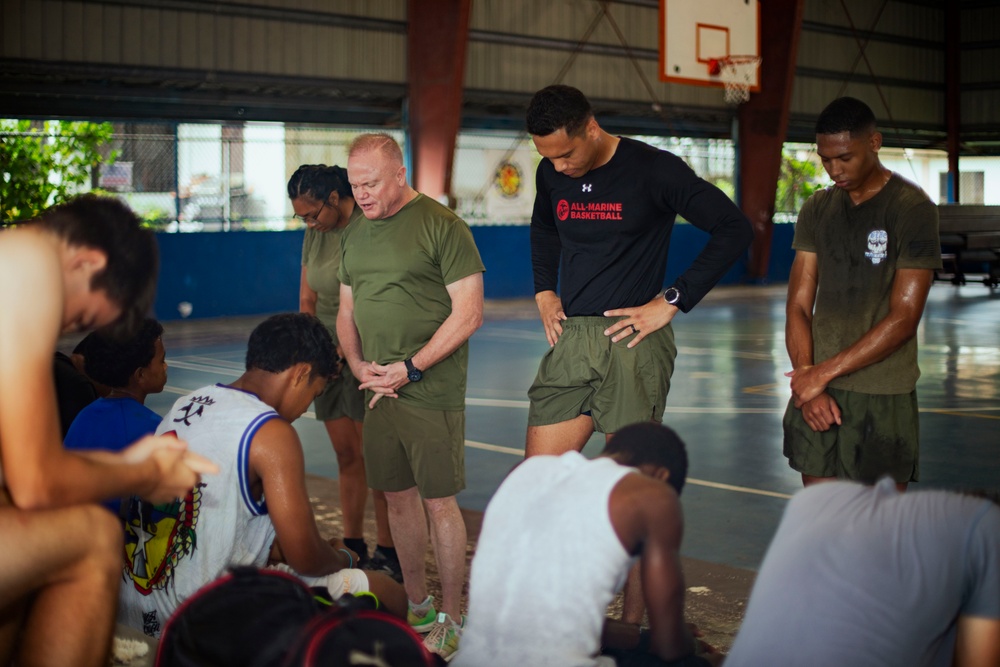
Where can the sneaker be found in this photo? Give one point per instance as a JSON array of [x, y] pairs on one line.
[[421, 617], [444, 636], [380, 562]]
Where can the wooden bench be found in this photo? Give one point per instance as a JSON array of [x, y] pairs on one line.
[[970, 243]]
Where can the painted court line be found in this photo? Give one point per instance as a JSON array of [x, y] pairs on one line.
[[690, 480], [205, 368], [737, 354], [512, 451], [716, 410], [738, 489], [509, 403], [959, 413], [211, 361], [691, 410], [511, 334]]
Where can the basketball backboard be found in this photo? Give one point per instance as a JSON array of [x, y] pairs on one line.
[[694, 33]]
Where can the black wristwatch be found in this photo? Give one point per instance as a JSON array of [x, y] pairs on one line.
[[672, 295], [413, 374]]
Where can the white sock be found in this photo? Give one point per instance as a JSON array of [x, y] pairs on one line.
[[423, 607]]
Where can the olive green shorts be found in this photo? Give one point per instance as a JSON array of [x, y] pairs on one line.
[[407, 446], [879, 435], [586, 373], [341, 398]]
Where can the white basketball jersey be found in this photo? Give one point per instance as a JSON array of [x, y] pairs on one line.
[[547, 565], [167, 553]]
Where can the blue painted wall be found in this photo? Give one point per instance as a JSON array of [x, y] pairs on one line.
[[506, 253], [782, 254], [234, 273], [246, 273]]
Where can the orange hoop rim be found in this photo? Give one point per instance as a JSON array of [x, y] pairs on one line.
[[738, 60], [738, 74]]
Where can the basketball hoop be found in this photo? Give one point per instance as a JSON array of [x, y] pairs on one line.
[[738, 74]]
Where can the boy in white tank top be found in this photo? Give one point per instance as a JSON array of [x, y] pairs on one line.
[[259, 497], [591, 520]]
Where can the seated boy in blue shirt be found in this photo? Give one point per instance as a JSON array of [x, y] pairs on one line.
[[133, 369]]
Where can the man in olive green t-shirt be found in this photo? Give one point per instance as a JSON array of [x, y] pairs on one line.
[[865, 253], [411, 296]]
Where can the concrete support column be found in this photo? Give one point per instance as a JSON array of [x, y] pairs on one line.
[[763, 125], [437, 38]]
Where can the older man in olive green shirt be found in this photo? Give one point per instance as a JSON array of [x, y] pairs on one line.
[[411, 296]]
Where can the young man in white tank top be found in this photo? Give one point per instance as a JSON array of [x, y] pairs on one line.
[[590, 520], [259, 497]]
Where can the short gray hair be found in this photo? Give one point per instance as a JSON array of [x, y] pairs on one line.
[[376, 141]]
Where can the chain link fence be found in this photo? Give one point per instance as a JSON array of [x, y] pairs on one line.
[[222, 177], [494, 175], [213, 177], [186, 177]]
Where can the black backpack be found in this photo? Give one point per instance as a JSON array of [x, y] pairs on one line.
[[267, 618]]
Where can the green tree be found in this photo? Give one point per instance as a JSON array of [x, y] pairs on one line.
[[798, 180], [726, 185], [42, 164]]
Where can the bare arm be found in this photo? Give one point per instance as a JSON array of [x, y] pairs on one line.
[[821, 412], [276, 459], [799, 309], [646, 515], [37, 471], [347, 330], [465, 318], [350, 339], [906, 306], [663, 584], [307, 297], [977, 643]]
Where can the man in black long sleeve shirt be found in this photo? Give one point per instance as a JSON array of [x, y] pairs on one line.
[[604, 210]]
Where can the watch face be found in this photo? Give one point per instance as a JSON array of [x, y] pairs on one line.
[[413, 374], [672, 295]]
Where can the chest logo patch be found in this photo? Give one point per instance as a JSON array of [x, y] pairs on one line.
[[587, 187], [878, 243], [562, 209]]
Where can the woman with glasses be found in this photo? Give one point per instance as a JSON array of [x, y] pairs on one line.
[[321, 198]]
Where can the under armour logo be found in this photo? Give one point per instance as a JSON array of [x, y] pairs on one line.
[[587, 187]]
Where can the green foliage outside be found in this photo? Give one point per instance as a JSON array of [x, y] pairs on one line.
[[42, 164], [798, 180], [726, 185]]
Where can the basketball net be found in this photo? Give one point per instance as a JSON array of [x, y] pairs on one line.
[[738, 74]]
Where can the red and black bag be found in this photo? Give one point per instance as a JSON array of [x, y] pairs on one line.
[[267, 618], [361, 637]]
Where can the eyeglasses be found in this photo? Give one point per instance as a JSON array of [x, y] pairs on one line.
[[311, 216]]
